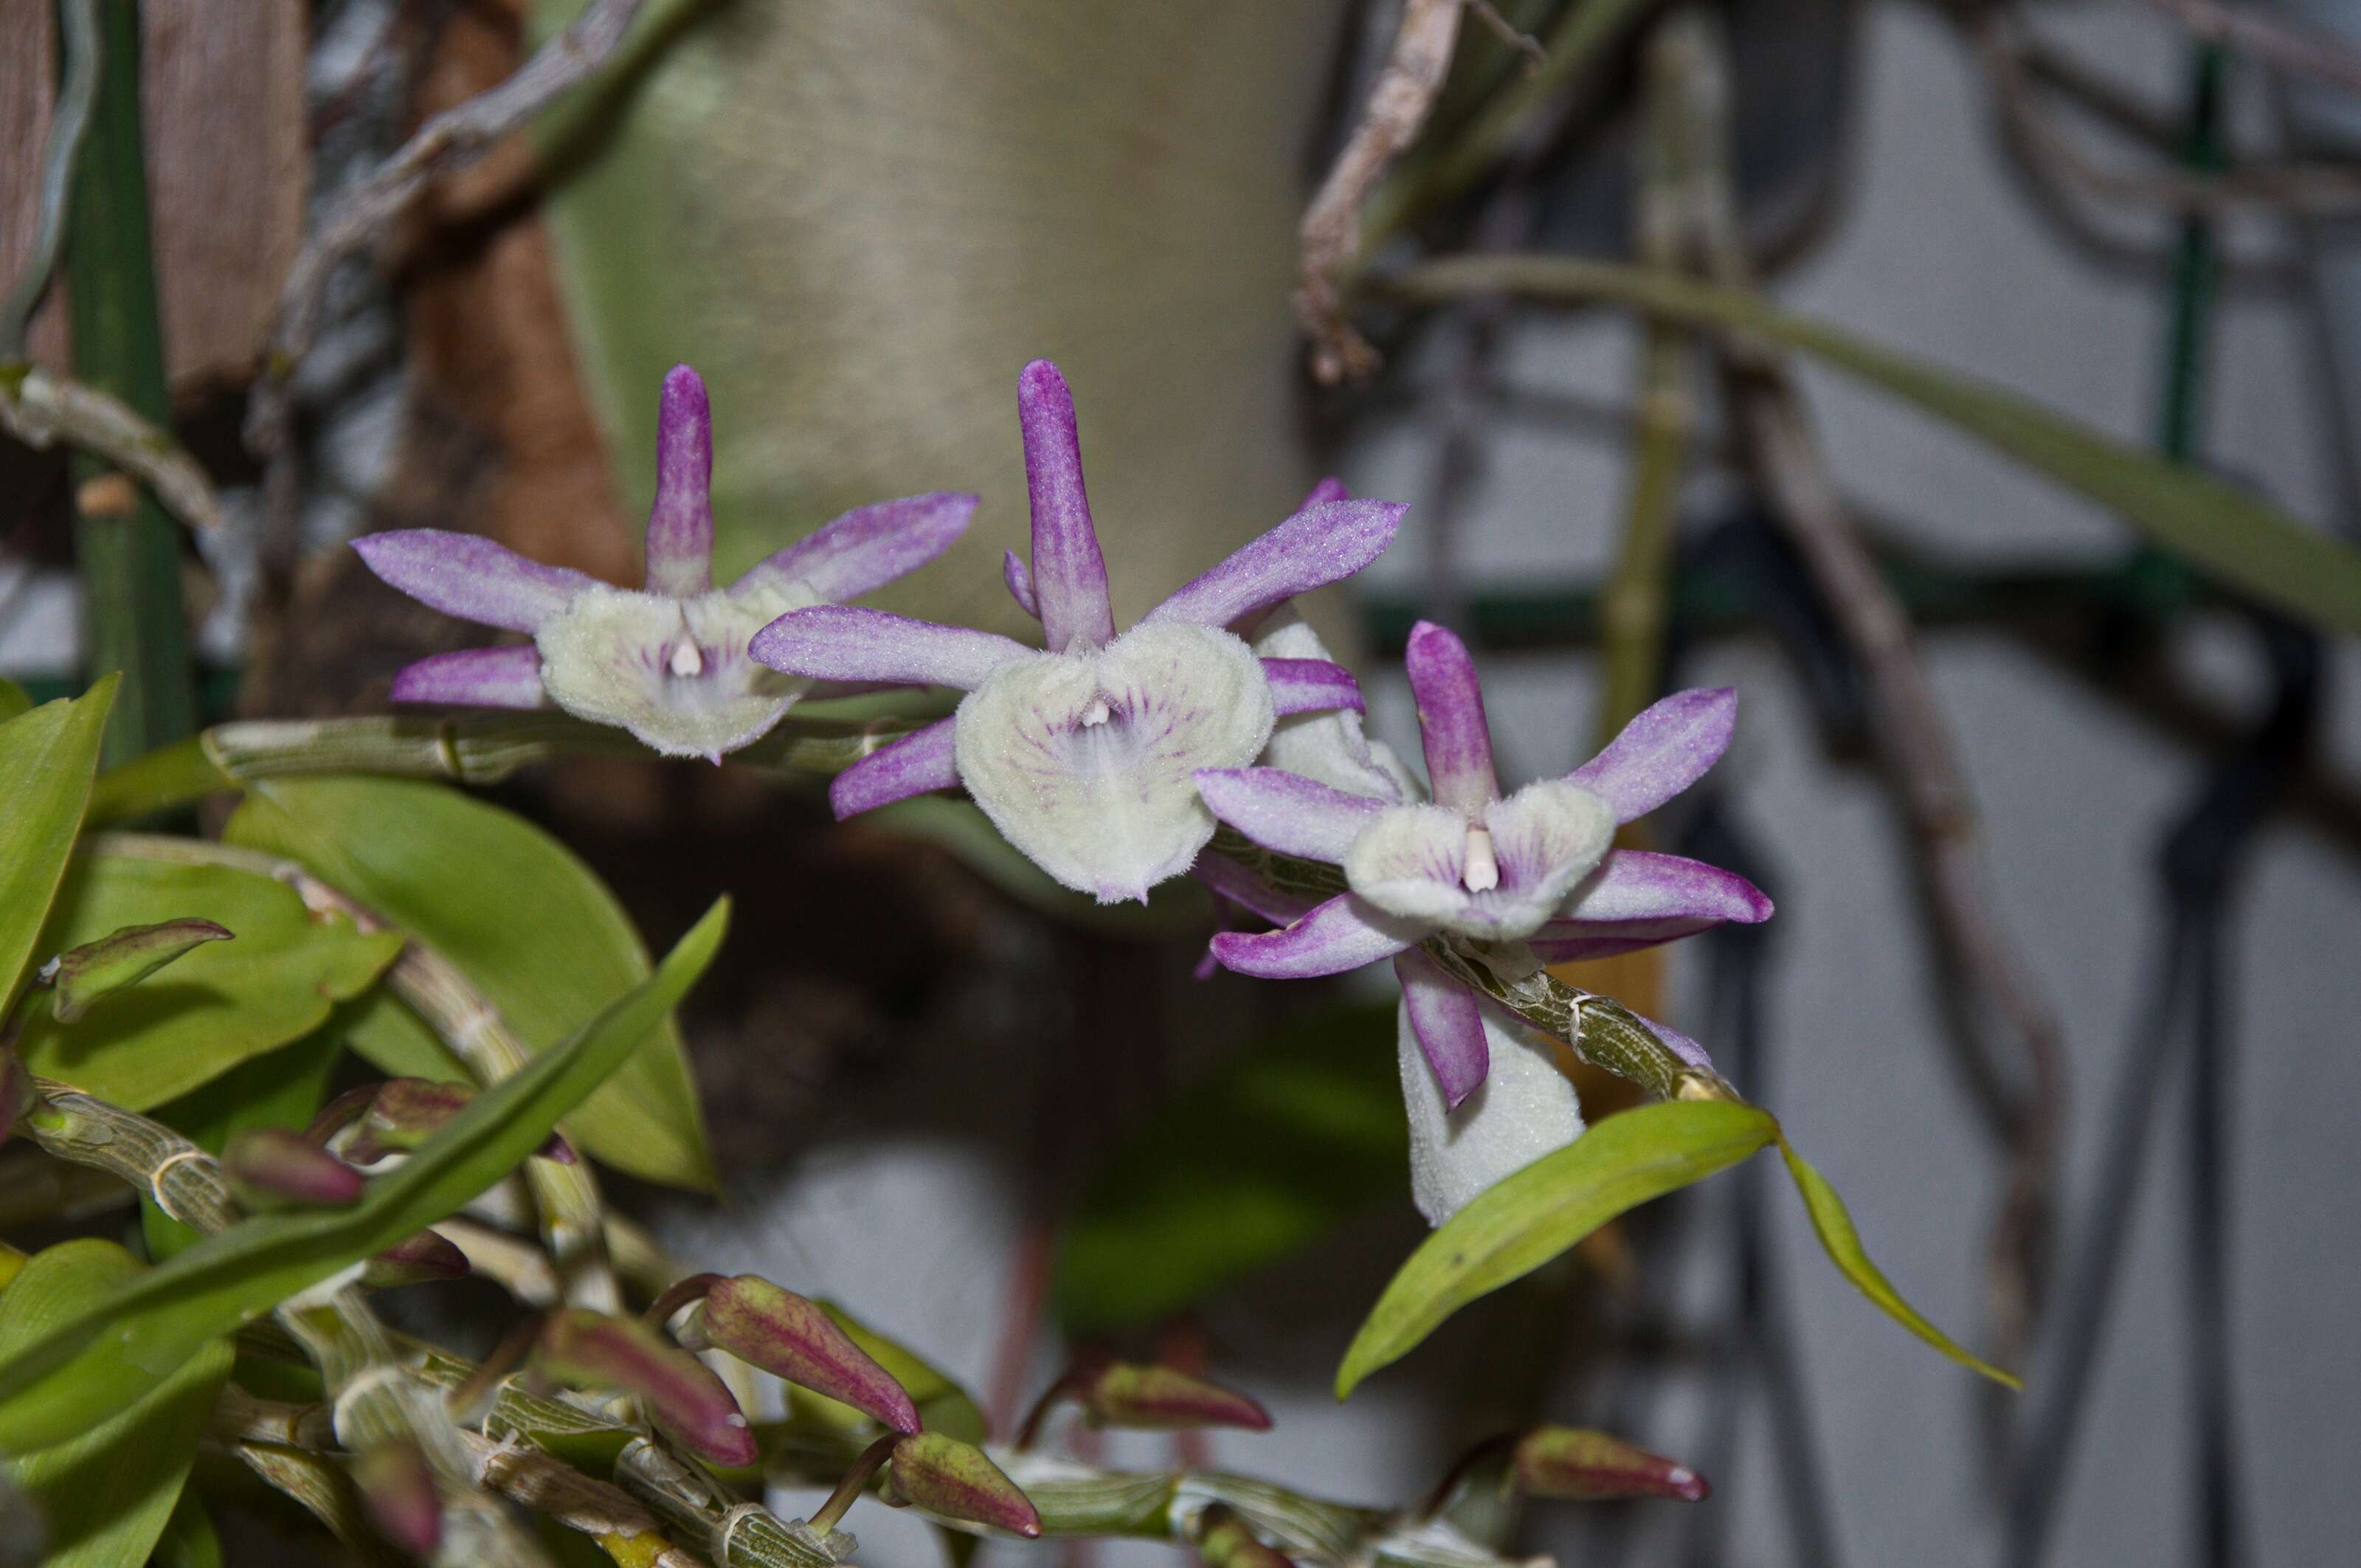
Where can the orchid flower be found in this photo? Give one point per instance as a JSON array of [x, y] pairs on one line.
[[668, 661], [1083, 755], [1535, 867]]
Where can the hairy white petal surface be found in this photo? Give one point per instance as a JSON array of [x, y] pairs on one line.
[[1497, 877], [1330, 747], [1086, 761], [1525, 1108], [674, 671]]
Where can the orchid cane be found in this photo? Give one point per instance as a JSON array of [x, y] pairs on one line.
[[668, 662], [1534, 868], [1083, 755]]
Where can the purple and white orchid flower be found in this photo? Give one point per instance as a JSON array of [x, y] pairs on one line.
[[1084, 754], [1535, 867], [668, 662]]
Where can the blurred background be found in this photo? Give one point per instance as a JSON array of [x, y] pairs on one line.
[[961, 1105]]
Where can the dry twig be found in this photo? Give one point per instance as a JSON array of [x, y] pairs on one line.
[[2284, 46], [85, 52], [38, 408], [1331, 233]]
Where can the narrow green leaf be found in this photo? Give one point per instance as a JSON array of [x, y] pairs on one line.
[[46, 758], [2247, 543], [189, 1540], [1532, 1216], [107, 1492], [1842, 1244], [383, 1032], [223, 1004], [92, 1365], [521, 914], [123, 957], [1288, 1138]]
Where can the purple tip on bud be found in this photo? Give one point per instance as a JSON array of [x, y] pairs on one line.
[[946, 1476], [83, 974], [403, 1113], [17, 1095], [417, 1260], [1591, 1467], [400, 1491], [790, 1337], [1223, 1541], [681, 1393], [1163, 1399], [270, 1167]]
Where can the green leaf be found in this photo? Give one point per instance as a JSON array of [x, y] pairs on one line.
[[92, 1365], [125, 958], [1290, 1137], [47, 759], [283, 1089], [223, 1004], [521, 914], [943, 1405], [189, 1538], [1532, 1216], [105, 1492], [13, 699], [382, 1031], [1842, 1244]]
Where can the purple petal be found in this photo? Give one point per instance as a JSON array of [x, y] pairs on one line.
[[467, 576], [1069, 580], [1343, 934], [1330, 488], [680, 526], [1451, 718], [1571, 941], [916, 764], [1318, 545], [476, 678], [866, 548], [1284, 812], [1663, 751], [1232, 880], [1680, 1045], [1312, 685], [1449, 1027], [839, 642], [1014, 572], [1637, 884]]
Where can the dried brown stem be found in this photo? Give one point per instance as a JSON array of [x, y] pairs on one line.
[[2282, 45], [1331, 233], [41, 409]]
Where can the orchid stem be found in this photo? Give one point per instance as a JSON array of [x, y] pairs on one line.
[[855, 1482]]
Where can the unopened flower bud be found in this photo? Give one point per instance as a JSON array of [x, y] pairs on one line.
[[1591, 1467], [1164, 1399], [405, 1112], [270, 1168], [946, 1476], [416, 1260], [681, 1393], [400, 1490], [1223, 1541], [82, 975], [790, 1337]]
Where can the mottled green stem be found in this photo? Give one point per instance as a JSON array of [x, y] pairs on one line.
[[127, 550]]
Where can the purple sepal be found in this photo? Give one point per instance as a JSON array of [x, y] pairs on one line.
[[1342, 933], [1639, 885], [867, 547], [1312, 685], [841, 642], [1323, 543], [1451, 719], [1287, 813], [475, 677], [1572, 941], [921, 761], [1069, 579], [1449, 1024], [469, 577], [1663, 751], [1233, 881], [1019, 583], [680, 525]]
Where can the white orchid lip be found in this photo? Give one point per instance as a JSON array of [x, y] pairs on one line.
[[1499, 875], [667, 661], [1083, 755]]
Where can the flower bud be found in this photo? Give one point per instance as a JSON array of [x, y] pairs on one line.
[[681, 1393], [416, 1260], [270, 1168], [1223, 1541], [946, 1476], [782, 1333], [1164, 1399], [82, 975], [400, 1490], [405, 1112], [1591, 1467]]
